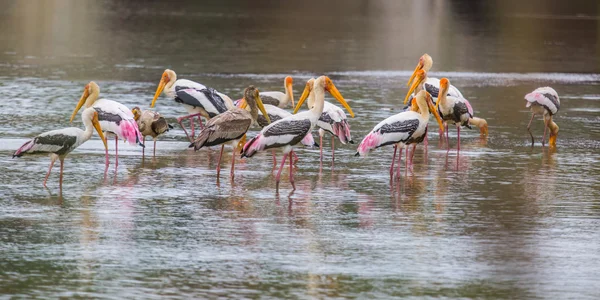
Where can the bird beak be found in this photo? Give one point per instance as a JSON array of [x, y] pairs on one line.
[[303, 97], [330, 87], [96, 124], [243, 104], [553, 135], [412, 77], [86, 93], [413, 88], [242, 142], [260, 105], [434, 111], [290, 90], [159, 89]]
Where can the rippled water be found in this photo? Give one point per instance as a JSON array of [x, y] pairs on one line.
[[499, 220]]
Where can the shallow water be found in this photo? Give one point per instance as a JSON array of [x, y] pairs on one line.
[[501, 219]]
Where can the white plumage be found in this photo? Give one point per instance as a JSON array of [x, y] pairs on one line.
[[544, 98]]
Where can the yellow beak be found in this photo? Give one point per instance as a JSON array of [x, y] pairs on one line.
[[303, 97], [435, 113], [337, 95], [86, 93], [243, 104], [413, 88], [96, 124], [159, 89], [412, 77], [290, 91], [260, 105]]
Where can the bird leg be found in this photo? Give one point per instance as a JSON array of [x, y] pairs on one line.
[[296, 158], [200, 121], [49, 170], [545, 129], [406, 161], [106, 151], [180, 119], [458, 134], [144, 148], [219, 161], [529, 130], [233, 163], [153, 154], [274, 159], [393, 160], [62, 164], [413, 154], [292, 171], [425, 141], [447, 137], [116, 150], [279, 172], [321, 149], [398, 166], [332, 150]]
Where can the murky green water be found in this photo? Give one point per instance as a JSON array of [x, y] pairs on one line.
[[500, 220]]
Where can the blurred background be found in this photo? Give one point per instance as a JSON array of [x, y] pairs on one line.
[[130, 40]]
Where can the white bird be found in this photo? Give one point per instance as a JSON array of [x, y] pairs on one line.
[[278, 98], [197, 99], [288, 132], [332, 120], [544, 101], [401, 130], [114, 118], [59, 143], [430, 84]]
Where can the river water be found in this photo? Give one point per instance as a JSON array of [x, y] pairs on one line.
[[501, 219]]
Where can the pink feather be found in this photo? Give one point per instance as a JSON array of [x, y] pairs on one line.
[[252, 146], [129, 131], [26, 147], [308, 140], [370, 142]]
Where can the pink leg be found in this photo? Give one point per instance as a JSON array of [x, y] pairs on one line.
[[116, 151], [295, 157], [393, 161], [219, 161], [292, 171], [106, 151], [192, 129], [332, 150], [398, 166], [321, 149], [447, 137], [426, 142], [274, 158], [200, 121], [413, 154], [144, 148], [406, 161], [279, 172], [233, 163], [49, 170], [458, 134], [62, 165], [544, 137], [529, 130], [180, 119], [154, 154]]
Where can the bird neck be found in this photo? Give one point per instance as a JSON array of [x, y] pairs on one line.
[[442, 96], [318, 101], [92, 97], [289, 96], [423, 109], [253, 111], [89, 129]]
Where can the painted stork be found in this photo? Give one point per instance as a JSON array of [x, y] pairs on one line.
[[230, 126], [431, 85], [288, 132], [278, 98], [150, 123], [332, 120], [114, 118], [544, 101], [403, 129], [59, 143], [457, 111], [197, 99]]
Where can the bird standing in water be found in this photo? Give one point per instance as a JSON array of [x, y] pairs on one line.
[[150, 123], [544, 101]]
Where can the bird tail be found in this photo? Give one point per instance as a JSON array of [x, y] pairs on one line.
[[370, 142], [130, 132], [23, 149], [534, 97], [161, 126], [252, 146], [199, 142], [309, 140], [342, 130]]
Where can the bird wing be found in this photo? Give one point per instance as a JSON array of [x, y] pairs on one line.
[[270, 98], [287, 131], [228, 126], [61, 142], [207, 99], [546, 97]]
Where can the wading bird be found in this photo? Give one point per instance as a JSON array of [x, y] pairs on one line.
[[114, 118], [403, 129], [430, 84], [150, 123], [544, 101], [288, 132], [197, 99], [230, 126], [332, 120], [278, 98], [61, 142], [457, 111]]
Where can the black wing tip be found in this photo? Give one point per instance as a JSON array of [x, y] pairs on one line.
[[170, 126], [351, 142], [357, 154], [141, 145], [316, 144]]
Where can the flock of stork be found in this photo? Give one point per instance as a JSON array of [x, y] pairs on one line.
[[228, 122]]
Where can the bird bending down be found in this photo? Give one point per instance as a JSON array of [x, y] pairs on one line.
[[289, 131], [403, 129], [457, 111], [544, 101], [59, 143], [114, 118], [230, 126], [332, 120], [279, 99], [430, 84], [197, 99], [150, 123]]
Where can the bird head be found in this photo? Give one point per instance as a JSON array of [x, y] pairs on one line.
[[168, 76]]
